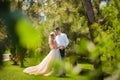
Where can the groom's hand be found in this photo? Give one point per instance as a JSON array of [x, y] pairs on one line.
[[62, 47]]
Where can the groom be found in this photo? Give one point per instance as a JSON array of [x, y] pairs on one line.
[[62, 42]]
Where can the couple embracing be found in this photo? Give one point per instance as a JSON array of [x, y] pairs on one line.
[[58, 41]]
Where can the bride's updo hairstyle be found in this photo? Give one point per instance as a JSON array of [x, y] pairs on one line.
[[51, 38]]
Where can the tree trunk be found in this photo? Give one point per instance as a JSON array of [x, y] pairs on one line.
[[89, 11], [2, 50], [91, 19], [90, 16], [22, 55]]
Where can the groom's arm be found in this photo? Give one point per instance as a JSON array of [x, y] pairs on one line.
[[66, 40]]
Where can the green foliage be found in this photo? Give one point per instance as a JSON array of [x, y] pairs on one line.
[[81, 47], [111, 29], [70, 16], [74, 24], [28, 35]]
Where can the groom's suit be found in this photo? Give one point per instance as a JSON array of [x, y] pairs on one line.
[[62, 40]]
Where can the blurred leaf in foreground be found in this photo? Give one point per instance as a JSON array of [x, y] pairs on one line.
[[29, 36]]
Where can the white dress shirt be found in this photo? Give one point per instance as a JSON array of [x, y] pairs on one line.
[[62, 40]]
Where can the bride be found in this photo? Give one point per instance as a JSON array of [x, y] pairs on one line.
[[44, 68]]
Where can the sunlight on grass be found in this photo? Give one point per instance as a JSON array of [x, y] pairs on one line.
[[87, 66]]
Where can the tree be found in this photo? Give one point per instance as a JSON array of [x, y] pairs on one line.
[[90, 16], [10, 19], [91, 20]]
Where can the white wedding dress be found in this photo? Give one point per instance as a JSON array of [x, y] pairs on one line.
[[44, 68]]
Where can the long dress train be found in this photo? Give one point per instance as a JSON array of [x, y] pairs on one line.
[[45, 66]]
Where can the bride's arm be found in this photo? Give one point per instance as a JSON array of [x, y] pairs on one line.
[[51, 46], [55, 44]]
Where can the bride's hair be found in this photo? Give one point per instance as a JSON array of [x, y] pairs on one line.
[[51, 38]]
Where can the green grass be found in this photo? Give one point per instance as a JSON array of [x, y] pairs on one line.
[[86, 66], [12, 72], [15, 72]]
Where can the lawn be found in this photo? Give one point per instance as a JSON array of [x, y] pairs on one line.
[[12, 72], [15, 72]]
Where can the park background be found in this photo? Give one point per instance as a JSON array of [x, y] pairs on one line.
[[92, 27]]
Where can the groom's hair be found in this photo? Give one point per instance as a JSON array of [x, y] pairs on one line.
[[57, 28]]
